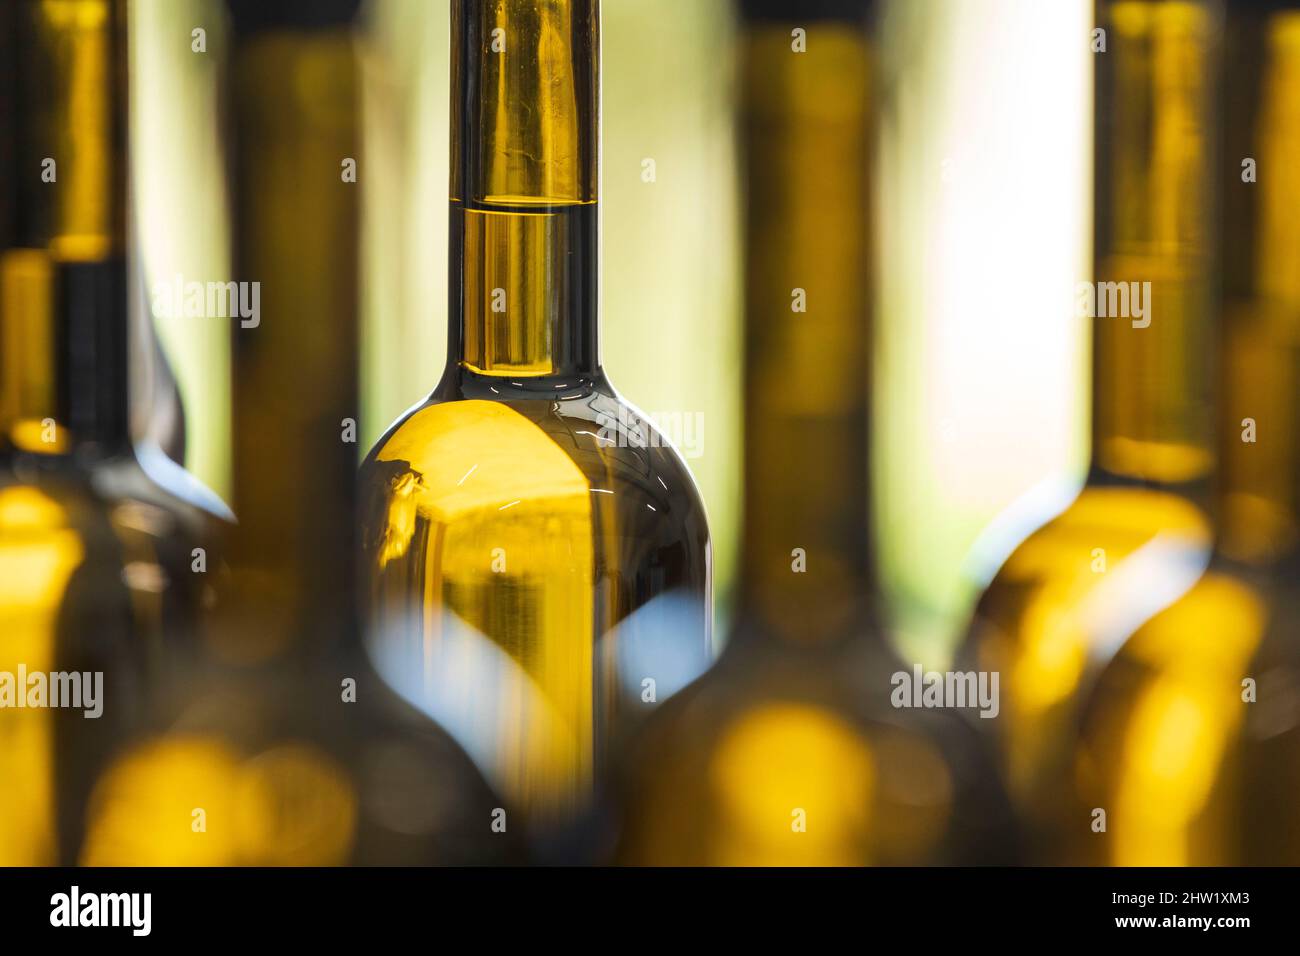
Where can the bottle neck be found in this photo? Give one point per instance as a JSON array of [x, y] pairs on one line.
[[1260, 433], [807, 574], [523, 284], [63, 294], [294, 134], [1153, 298]]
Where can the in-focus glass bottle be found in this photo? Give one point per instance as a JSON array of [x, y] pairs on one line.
[[536, 556]]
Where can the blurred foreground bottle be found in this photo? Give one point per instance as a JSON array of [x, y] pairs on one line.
[[536, 557], [1138, 534], [103, 545], [1191, 739], [290, 750], [789, 752]]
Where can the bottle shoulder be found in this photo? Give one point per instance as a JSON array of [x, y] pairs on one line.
[[1070, 595], [1234, 613], [775, 727], [490, 445], [1103, 525], [171, 500], [1194, 709], [364, 774], [101, 531], [1217, 622]]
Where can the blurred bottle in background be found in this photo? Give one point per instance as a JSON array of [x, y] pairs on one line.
[[536, 556], [289, 749], [105, 548], [788, 752], [1191, 738], [1138, 534]]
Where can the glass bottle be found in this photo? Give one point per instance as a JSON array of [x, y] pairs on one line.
[[105, 546], [788, 752], [536, 556], [1138, 533], [1190, 743], [287, 748]]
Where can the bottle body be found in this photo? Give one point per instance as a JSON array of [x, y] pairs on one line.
[[536, 564], [101, 603], [785, 755], [1189, 742], [1066, 599], [282, 764]]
